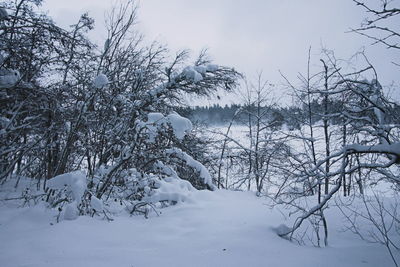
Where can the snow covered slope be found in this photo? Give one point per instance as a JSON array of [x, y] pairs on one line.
[[220, 228]]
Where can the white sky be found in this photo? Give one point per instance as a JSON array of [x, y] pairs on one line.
[[252, 35]]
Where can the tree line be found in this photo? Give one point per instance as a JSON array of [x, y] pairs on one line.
[[290, 116]]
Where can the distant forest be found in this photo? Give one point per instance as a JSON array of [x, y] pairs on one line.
[[293, 116], [218, 115]]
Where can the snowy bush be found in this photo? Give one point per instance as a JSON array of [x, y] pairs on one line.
[[112, 113], [67, 193]]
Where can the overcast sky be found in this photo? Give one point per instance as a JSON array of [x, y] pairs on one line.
[[250, 35]]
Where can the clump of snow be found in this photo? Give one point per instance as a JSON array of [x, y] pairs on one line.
[[9, 78], [75, 181], [96, 203], [212, 67], [170, 189], [155, 117], [165, 169], [70, 211], [100, 81], [203, 172], [76, 185], [201, 69], [180, 125], [192, 74], [3, 13]]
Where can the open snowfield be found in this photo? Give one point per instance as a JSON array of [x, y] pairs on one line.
[[221, 228]]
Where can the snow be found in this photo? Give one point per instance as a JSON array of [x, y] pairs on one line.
[[100, 81], [155, 117], [96, 203], [201, 69], [172, 189], [70, 211], [212, 67], [3, 13], [203, 172], [384, 148], [166, 169], [75, 181], [219, 228], [180, 125], [76, 185], [9, 78], [192, 74], [282, 229]]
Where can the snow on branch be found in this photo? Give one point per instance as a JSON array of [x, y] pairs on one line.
[[75, 183], [204, 175], [180, 126], [390, 149]]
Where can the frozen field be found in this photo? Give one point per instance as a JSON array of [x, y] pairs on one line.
[[219, 228]]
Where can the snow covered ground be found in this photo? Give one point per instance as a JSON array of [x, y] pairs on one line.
[[221, 228]]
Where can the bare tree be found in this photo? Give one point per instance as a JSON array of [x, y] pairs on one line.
[[251, 160], [366, 114], [379, 26]]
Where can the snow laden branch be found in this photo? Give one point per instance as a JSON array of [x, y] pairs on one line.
[[204, 175], [387, 149], [201, 80]]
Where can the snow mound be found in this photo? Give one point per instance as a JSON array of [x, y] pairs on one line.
[[170, 189], [282, 229], [71, 211], [75, 181], [76, 185]]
